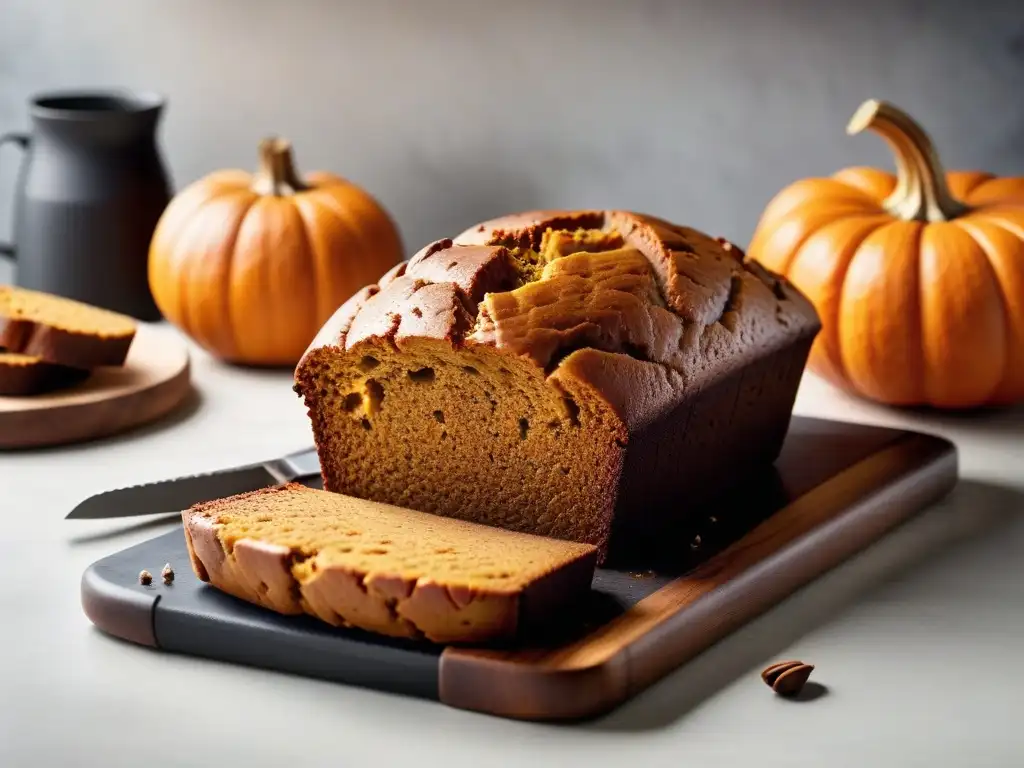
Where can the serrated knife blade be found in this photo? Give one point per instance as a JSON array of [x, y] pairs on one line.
[[164, 496]]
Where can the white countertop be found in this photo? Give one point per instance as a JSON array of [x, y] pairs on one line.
[[918, 640]]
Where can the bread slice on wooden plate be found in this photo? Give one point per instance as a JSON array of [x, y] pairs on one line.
[[62, 331], [27, 375], [382, 568]]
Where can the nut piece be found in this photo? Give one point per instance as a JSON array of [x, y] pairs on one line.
[[771, 673], [787, 678], [167, 573], [791, 682], [145, 578]]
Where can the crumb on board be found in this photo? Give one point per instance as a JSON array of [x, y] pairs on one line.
[[167, 573], [145, 577]]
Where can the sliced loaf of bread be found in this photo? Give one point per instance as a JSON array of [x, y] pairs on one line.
[[382, 568], [62, 331], [593, 376]]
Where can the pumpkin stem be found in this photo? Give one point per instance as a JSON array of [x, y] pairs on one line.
[[276, 174], [921, 192]]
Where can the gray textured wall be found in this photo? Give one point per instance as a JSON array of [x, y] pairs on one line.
[[451, 111]]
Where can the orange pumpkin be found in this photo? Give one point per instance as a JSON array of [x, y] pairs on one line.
[[251, 265], [918, 276]]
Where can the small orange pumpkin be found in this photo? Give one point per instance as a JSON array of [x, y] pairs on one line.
[[918, 277], [251, 265]]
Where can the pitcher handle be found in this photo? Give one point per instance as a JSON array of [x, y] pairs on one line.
[[21, 139]]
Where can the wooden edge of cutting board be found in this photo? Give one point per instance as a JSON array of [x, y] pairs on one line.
[[154, 380], [795, 545]]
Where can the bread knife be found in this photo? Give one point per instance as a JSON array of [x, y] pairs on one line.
[[175, 495]]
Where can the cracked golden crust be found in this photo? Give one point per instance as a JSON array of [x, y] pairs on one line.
[[526, 229], [671, 296], [474, 269], [605, 300], [388, 599]]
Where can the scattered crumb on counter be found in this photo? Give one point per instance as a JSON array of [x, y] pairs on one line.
[[145, 577], [643, 575], [167, 573]]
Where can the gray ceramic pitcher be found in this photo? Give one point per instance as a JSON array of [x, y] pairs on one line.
[[88, 197]]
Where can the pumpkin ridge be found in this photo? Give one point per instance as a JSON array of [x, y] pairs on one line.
[[225, 287], [384, 229], [963, 335], [226, 179], [812, 190], [328, 198], [920, 385], [801, 216], [193, 239], [862, 177], [865, 374], [990, 249], [993, 217], [999, 191], [312, 307], [320, 180], [792, 204], [963, 183], [172, 228], [287, 335], [323, 293], [255, 279], [830, 340]]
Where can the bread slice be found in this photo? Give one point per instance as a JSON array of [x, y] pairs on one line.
[[62, 331], [381, 568], [22, 375]]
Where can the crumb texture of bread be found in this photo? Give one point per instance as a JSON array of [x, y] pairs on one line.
[[384, 569], [22, 375], [62, 331], [541, 372]]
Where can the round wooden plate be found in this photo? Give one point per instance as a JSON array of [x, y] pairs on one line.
[[153, 381]]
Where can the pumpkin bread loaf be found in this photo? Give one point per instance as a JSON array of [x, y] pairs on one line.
[[388, 570], [585, 375], [62, 331], [27, 375]]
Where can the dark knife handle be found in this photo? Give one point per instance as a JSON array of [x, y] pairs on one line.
[[295, 466]]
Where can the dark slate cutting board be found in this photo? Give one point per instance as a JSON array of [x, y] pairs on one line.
[[836, 488]]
